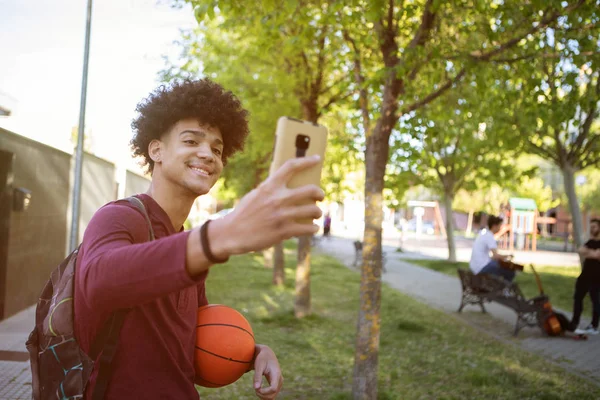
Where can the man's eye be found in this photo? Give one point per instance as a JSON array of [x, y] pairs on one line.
[[217, 152], [193, 142]]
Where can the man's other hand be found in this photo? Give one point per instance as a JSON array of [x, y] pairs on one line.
[[266, 364]]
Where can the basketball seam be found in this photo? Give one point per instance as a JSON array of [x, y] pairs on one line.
[[232, 326], [224, 358]]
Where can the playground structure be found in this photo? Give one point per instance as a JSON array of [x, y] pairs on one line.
[[419, 211], [520, 228]]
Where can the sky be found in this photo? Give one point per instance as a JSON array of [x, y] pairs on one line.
[[42, 50]]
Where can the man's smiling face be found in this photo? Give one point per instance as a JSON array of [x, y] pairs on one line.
[[189, 156]]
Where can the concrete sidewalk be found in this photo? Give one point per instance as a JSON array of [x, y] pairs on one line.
[[430, 246], [15, 374], [580, 357]]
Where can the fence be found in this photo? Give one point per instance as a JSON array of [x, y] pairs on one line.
[[35, 240]]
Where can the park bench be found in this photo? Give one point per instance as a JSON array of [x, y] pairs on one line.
[[358, 247], [480, 289]]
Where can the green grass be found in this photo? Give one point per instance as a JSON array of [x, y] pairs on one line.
[[558, 282], [424, 353]]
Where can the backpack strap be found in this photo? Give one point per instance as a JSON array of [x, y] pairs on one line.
[[107, 339], [140, 206], [108, 353]]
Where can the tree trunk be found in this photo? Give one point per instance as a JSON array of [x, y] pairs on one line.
[[268, 257], [364, 384], [448, 198], [470, 223], [545, 225], [569, 182], [278, 265], [302, 301]]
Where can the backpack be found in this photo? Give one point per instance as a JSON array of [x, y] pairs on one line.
[[60, 368], [564, 322]]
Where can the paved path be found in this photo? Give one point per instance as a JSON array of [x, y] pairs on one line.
[[436, 247], [581, 357], [15, 375]]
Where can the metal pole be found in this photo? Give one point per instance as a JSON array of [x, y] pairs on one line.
[[74, 239]]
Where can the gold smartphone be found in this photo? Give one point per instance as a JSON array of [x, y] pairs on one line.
[[297, 138]]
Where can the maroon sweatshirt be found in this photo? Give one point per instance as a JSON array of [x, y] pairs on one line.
[[118, 268]]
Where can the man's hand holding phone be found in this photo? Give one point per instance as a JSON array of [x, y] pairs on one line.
[[268, 214]]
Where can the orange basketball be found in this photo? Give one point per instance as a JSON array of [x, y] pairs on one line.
[[224, 346]]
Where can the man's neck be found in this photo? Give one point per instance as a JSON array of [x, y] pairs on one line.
[[177, 205]]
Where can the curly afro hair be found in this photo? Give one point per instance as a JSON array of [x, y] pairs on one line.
[[204, 100]]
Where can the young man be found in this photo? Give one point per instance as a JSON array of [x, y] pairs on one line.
[[481, 261], [588, 281], [185, 134], [327, 225]]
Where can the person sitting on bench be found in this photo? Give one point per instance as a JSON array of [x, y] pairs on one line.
[[481, 261]]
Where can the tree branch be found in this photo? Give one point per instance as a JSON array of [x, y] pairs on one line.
[[456, 144], [529, 57], [390, 17], [363, 98], [594, 161], [589, 146], [305, 62], [440, 175], [463, 176], [334, 84], [333, 99], [584, 130], [562, 154], [434, 95], [542, 151], [316, 86], [427, 20], [413, 74], [546, 21]]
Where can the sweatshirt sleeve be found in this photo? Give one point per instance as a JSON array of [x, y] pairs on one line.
[[202, 300], [119, 268]]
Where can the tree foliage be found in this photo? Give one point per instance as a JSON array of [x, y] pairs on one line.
[[554, 99], [278, 51], [589, 190], [395, 58]]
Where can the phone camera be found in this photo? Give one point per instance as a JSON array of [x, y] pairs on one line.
[[302, 143]]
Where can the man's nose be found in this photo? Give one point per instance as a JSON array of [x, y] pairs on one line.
[[205, 152]]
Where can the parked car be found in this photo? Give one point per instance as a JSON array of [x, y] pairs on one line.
[[427, 227]]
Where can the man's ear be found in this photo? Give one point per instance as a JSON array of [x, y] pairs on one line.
[[155, 149]]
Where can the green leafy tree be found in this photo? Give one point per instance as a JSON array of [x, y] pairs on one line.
[[458, 147], [471, 202], [487, 198], [589, 190], [560, 106], [397, 57], [409, 55], [294, 45], [534, 188], [228, 57]]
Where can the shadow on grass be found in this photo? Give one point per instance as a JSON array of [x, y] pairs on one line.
[[286, 319], [410, 326]]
